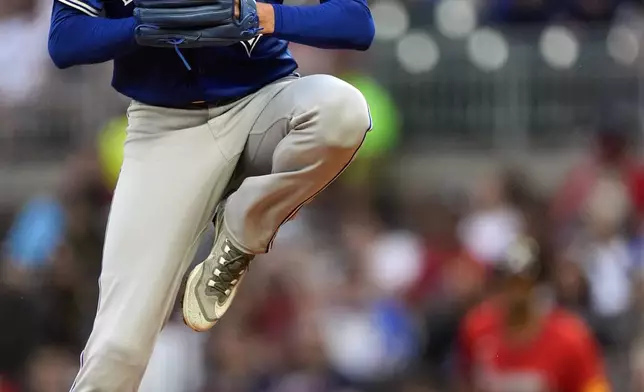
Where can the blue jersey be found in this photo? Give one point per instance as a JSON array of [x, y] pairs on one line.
[[158, 76], [94, 31]]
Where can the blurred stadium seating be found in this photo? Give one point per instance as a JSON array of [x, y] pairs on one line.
[[513, 115]]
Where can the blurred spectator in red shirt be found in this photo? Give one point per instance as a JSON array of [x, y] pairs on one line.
[[450, 271], [519, 341], [609, 162]]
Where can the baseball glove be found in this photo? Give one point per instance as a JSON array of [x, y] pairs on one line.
[[194, 23]]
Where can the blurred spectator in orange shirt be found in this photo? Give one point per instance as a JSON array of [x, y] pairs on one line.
[[519, 341]]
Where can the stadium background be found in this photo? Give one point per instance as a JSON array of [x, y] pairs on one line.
[[492, 118]]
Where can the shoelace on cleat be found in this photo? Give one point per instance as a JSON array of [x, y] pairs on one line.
[[229, 270]]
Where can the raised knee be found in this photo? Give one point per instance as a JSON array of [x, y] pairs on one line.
[[344, 115]]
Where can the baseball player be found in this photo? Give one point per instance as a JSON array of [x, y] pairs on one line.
[[213, 89], [519, 340]]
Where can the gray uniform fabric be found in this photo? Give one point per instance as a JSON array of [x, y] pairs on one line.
[[178, 164]]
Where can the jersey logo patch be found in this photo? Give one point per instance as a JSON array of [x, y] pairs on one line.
[[248, 45], [126, 2]]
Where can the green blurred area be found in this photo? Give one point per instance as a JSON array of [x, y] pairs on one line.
[[385, 133], [110, 149]]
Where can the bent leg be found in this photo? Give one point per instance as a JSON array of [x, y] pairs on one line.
[[308, 134]]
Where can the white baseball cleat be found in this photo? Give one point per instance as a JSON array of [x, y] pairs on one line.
[[212, 285]]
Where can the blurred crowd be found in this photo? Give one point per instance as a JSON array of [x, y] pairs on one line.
[[364, 291], [40, 106]]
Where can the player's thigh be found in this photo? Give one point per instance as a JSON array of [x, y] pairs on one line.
[[169, 185], [335, 109], [170, 177]]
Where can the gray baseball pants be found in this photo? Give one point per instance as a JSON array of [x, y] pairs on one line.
[[177, 166]]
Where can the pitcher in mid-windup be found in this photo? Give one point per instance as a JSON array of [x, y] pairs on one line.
[[212, 85]]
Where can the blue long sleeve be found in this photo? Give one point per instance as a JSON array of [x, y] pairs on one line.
[[334, 24], [76, 38]]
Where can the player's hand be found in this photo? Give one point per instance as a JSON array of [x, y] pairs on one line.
[[266, 15]]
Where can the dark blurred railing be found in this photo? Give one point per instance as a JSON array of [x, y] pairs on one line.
[[525, 105]]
